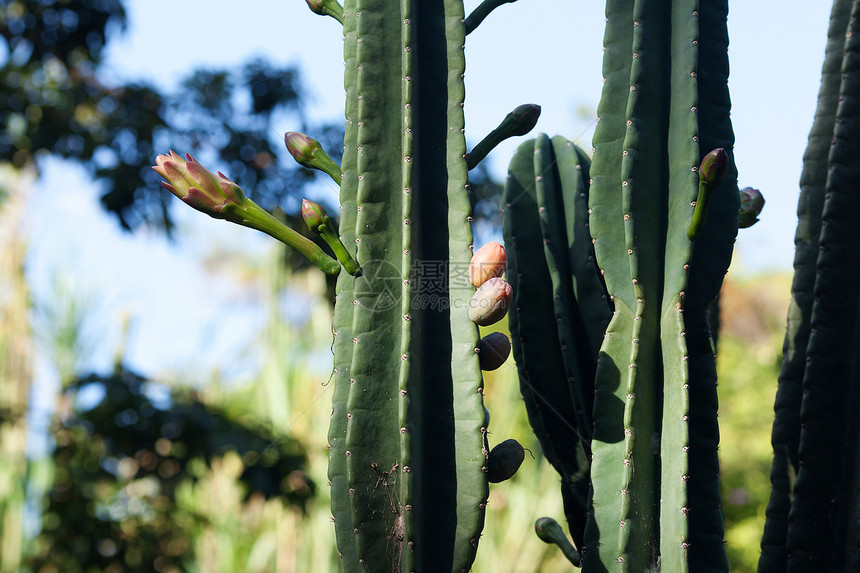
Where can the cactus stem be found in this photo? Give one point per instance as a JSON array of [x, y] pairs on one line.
[[320, 223], [519, 122], [482, 11], [550, 531], [711, 173], [256, 217]]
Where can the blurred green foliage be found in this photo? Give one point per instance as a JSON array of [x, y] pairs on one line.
[[122, 497], [748, 358]]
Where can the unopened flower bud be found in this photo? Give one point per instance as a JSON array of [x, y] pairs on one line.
[[752, 202], [524, 118], [519, 122], [714, 166], [213, 194], [308, 152], [327, 8], [493, 350], [504, 461], [489, 261], [490, 302], [320, 223], [314, 215], [550, 531]]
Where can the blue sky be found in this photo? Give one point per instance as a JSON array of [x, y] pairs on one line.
[[532, 51]]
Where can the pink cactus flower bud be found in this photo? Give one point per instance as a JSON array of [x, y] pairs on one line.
[[493, 350], [308, 152], [491, 301], [301, 147], [327, 8], [213, 194], [752, 202], [489, 261], [313, 214]]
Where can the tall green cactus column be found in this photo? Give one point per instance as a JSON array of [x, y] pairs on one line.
[[654, 498], [665, 105], [812, 516], [407, 446]]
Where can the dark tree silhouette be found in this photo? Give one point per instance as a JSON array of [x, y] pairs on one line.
[[53, 101]]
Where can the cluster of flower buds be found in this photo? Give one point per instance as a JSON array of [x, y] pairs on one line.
[[490, 302], [219, 197]]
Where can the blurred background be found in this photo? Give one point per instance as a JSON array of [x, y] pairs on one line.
[[164, 377]]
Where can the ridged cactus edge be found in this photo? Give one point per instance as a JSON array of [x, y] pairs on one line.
[[622, 237]]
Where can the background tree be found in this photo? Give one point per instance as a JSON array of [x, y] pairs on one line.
[[118, 466], [53, 100]]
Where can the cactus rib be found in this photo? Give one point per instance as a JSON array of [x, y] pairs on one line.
[[786, 428], [819, 513], [343, 317]]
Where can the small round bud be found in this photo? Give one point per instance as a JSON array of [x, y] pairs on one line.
[[493, 350], [489, 261], [752, 202], [490, 302]]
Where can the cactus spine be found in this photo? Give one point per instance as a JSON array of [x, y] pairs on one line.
[[812, 520], [654, 496]]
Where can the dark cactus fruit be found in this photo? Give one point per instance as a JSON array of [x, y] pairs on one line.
[[493, 350], [504, 461]]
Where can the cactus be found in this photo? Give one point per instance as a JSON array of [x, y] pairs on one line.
[[812, 512], [409, 458], [647, 411], [408, 461], [612, 262], [555, 281]]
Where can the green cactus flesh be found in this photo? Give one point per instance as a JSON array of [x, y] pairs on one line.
[[654, 495], [407, 440], [560, 424]]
